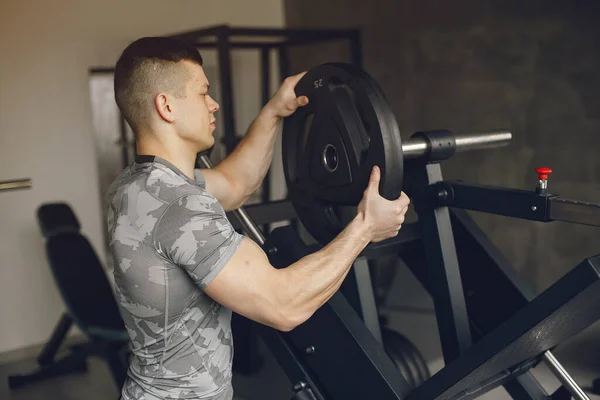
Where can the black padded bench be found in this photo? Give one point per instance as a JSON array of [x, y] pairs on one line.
[[87, 294]]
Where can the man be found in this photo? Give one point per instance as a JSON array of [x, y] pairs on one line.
[[180, 267]]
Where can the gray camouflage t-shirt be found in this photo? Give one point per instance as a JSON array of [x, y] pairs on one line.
[[169, 239]]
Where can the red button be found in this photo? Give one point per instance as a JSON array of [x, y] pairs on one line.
[[543, 172]]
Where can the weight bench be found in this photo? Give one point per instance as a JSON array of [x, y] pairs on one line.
[[89, 299]]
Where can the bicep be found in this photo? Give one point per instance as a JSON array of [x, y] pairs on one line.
[[247, 285], [220, 186], [228, 267], [194, 234]]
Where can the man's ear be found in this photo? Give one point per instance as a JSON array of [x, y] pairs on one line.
[[163, 105]]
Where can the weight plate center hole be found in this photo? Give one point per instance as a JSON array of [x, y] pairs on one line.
[[330, 158]]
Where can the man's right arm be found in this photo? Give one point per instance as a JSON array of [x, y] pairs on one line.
[[284, 298]]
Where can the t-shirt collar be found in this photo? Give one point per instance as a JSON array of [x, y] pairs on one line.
[[147, 158]]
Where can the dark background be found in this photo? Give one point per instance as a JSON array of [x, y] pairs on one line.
[[473, 66]]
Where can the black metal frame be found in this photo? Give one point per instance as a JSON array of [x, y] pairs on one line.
[[499, 280], [338, 328], [522, 204], [476, 273], [465, 274]]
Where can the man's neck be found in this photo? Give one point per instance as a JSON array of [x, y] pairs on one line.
[[176, 153]]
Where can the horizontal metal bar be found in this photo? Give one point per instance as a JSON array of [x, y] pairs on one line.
[[269, 45], [479, 141], [523, 204], [15, 184], [241, 45], [419, 146], [508, 202], [102, 70], [251, 31], [304, 40], [290, 32], [579, 212], [301, 41], [195, 34]]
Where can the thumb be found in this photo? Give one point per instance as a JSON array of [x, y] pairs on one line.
[[297, 102], [374, 178], [302, 101]]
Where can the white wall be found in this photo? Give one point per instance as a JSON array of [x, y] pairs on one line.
[[46, 49]]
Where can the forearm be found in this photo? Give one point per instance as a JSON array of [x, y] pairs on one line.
[[249, 162], [310, 282]]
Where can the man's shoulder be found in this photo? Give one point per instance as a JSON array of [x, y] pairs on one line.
[[167, 186], [151, 197], [153, 183]]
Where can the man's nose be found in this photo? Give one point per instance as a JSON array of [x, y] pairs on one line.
[[214, 106]]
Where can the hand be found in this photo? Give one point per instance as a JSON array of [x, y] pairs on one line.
[[285, 102], [383, 217]]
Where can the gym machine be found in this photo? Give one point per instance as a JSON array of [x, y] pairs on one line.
[[329, 149]]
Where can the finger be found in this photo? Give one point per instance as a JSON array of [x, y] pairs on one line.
[[301, 101], [404, 199], [295, 78], [297, 102], [374, 178], [399, 208]]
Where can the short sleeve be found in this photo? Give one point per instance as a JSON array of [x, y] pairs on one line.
[[195, 234]]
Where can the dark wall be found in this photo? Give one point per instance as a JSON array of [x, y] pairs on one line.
[[469, 66]]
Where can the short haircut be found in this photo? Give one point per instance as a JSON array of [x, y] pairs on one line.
[[147, 67]]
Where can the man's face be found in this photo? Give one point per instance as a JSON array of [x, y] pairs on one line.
[[195, 118]]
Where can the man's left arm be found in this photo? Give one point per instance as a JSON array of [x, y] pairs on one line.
[[236, 177]]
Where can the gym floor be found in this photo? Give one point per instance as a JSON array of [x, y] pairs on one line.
[[409, 311]]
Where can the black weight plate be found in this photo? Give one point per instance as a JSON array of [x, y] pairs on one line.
[[406, 356], [331, 145]]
